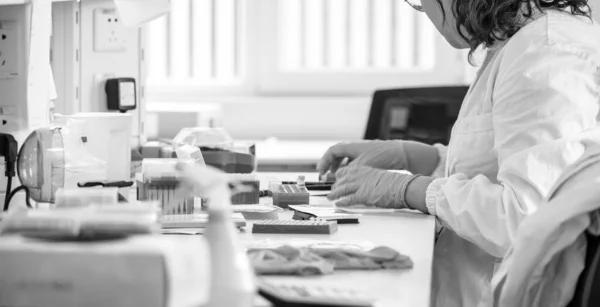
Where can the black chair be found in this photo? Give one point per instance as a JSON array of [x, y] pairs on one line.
[[587, 292], [420, 114]]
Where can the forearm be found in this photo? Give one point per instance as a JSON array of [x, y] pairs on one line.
[[422, 158], [440, 170], [416, 192]]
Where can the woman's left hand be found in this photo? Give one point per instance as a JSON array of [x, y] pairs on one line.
[[363, 185]]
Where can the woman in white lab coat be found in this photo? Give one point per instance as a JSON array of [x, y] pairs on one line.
[[539, 82]]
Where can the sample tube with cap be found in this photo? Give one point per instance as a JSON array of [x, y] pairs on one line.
[[301, 181]]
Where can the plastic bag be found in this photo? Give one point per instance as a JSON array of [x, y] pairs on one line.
[[80, 165]]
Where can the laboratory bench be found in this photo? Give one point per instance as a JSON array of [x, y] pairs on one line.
[[410, 233]]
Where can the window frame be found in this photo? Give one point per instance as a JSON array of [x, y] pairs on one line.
[[352, 82]]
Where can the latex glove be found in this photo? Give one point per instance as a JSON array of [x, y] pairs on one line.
[[362, 185], [413, 156]]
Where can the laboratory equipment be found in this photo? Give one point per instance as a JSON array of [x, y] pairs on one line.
[[40, 164], [218, 149], [83, 197], [159, 181], [301, 181], [258, 212], [294, 226], [305, 212], [314, 186], [300, 295], [105, 184], [328, 177], [205, 138], [289, 194], [109, 138], [120, 94], [249, 197], [56, 157], [141, 270], [197, 220], [99, 221], [230, 259], [190, 152], [153, 150]]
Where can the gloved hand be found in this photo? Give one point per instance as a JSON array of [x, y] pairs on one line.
[[417, 158], [362, 185]]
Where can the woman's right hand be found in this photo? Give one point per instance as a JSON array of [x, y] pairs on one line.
[[418, 158]]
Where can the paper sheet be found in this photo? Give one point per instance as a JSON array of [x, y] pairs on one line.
[[324, 212], [366, 210], [183, 231], [356, 209], [255, 208]]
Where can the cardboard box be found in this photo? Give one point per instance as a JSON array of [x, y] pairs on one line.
[[152, 270]]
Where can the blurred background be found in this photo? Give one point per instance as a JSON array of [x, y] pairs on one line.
[[293, 69]]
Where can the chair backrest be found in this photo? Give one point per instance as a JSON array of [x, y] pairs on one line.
[[587, 292], [420, 114]]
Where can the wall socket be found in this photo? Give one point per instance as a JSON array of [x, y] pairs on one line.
[[9, 47], [109, 31]]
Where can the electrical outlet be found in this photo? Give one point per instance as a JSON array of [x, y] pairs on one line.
[[8, 49], [109, 31]]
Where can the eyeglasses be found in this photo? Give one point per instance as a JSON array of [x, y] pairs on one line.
[[415, 4]]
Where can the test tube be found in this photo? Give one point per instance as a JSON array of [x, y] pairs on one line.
[[274, 186], [301, 181]]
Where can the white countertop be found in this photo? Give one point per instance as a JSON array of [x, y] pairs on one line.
[[407, 232]]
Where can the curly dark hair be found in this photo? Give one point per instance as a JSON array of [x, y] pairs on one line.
[[482, 22]]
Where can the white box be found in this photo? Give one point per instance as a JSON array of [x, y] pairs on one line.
[[149, 271]]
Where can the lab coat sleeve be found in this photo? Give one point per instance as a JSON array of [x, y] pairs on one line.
[[539, 97]]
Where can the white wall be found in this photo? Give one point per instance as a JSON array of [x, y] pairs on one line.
[[315, 118], [65, 56], [97, 66]]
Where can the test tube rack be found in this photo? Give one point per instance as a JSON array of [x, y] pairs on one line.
[[289, 194], [163, 190], [246, 198]]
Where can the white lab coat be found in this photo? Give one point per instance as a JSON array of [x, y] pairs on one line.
[[539, 86], [548, 253]]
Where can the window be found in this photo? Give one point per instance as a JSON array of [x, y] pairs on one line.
[[198, 43], [312, 47], [353, 36]]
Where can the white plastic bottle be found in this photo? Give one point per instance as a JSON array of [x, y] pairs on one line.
[[232, 277]]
